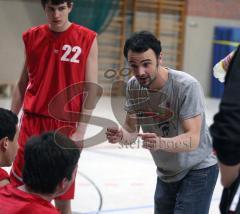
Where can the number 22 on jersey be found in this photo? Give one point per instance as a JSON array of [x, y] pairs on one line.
[[68, 50]]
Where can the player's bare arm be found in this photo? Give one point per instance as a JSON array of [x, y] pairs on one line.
[[19, 91], [91, 77]]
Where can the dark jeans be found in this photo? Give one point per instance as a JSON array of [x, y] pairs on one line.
[[191, 195]]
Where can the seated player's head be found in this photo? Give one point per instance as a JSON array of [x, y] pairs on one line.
[[50, 163], [8, 137]]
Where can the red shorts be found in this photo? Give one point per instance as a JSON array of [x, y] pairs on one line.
[[32, 124]]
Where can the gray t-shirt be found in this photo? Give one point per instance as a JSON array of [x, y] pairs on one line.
[[162, 111]]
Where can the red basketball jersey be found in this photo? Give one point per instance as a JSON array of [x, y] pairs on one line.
[[15, 201], [55, 61]]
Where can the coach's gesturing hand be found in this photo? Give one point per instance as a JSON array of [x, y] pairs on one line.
[[114, 135], [151, 141]]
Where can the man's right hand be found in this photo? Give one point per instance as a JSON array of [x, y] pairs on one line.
[[114, 135]]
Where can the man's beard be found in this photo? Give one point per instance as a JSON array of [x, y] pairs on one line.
[[151, 79]]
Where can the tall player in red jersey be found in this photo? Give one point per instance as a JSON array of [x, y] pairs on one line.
[[59, 55]]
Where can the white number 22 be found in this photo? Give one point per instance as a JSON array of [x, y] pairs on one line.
[[68, 49]]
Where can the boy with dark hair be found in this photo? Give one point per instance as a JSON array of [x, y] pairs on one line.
[[59, 55], [175, 132], [57, 2], [8, 142], [49, 170]]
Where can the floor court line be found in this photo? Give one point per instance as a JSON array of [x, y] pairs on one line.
[[117, 210], [117, 155]]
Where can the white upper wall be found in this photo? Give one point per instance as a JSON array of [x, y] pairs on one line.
[[15, 17]]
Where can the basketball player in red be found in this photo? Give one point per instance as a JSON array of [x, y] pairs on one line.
[[59, 54], [8, 142], [60, 168]]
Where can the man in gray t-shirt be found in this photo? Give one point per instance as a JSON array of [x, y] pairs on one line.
[[169, 107]]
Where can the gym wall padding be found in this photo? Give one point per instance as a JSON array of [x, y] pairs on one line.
[[94, 14]]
